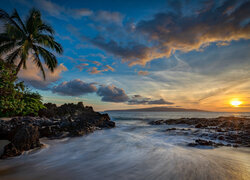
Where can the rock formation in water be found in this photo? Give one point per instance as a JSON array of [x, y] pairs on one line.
[[221, 131], [53, 122]]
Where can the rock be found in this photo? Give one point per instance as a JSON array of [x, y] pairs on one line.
[[158, 122], [233, 130], [54, 122], [221, 138], [235, 145], [49, 111], [4, 130], [50, 131], [81, 132], [171, 129], [199, 125], [202, 142], [25, 138]]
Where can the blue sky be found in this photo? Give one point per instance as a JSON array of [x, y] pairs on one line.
[[130, 54]]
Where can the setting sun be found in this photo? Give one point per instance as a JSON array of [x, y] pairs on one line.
[[236, 103]]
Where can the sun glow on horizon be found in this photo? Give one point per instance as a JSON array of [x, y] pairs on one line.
[[236, 103]]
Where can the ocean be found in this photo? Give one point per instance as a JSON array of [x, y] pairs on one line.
[[132, 150]]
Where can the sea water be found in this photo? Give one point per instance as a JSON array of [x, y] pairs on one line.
[[132, 150]]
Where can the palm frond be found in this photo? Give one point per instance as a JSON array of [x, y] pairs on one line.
[[38, 61], [7, 47], [33, 21], [6, 17], [13, 56], [4, 38], [14, 33], [45, 28], [49, 42], [49, 58], [16, 16]]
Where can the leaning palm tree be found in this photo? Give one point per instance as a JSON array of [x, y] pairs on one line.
[[29, 39]]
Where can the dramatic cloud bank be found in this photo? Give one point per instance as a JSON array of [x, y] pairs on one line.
[[176, 30], [112, 94], [74, 88], [108, 93]]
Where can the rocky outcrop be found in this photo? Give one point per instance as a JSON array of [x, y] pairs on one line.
[[53, 122], [228, 131]]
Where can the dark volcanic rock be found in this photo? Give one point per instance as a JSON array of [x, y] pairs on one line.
[[233, 130], [25, 138], [171, 129], [65, 110], [199, 125], [54, 122], [202, 142]]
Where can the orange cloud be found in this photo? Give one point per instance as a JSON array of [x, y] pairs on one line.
[[33, 76], [109, 68], [95, 70], [143, 73], [169, 32]]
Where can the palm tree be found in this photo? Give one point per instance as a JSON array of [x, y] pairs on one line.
[[29, 38]]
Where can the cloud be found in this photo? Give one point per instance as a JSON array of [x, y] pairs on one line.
[[81, 12], [82, 66], [61, 12], [52, 8], [33, 76], [74, 87], [96, 63], [133, 53], [160, 101], [109, 68], [138, 99], [175, 31], [95, 70], [180, 30], [111, 93], [143, 73], [108, 17]]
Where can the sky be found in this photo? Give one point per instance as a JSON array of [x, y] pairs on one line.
[[136, 53]]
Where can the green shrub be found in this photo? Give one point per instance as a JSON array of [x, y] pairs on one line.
[[15, 99], [32, 103]]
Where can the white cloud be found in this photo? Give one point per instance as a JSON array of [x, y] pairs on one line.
[[33, 76]]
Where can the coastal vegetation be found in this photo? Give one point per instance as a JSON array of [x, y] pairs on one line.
[[21, 41], [15, 98]]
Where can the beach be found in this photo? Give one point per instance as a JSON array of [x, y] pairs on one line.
[[135, 149]]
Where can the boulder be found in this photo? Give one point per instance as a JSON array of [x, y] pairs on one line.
[[25, 138]]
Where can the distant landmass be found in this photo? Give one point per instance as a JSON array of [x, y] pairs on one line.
[[160, 109]]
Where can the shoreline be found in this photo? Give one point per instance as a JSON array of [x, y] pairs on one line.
[[68, 120], [228, 131]]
